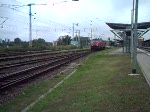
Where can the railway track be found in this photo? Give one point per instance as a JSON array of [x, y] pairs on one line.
[[27, 62], [25, 53], [25, 56], [36, 68]]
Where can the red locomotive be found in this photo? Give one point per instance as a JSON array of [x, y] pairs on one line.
[[97, 44]]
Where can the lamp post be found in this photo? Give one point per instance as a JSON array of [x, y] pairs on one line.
[[91, 31], [30, 22], [132, 29], [132, 18], [30, 25], [78, 37], [91, 27], [134, 62], [73, 29], [30, 17]]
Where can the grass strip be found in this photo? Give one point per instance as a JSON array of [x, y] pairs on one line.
[[32, 93], [101, 84]]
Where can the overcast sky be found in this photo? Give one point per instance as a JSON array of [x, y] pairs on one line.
[[57, 17]]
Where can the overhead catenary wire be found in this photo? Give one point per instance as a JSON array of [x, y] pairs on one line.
[[56, 24], [49, 25], [46, 23]]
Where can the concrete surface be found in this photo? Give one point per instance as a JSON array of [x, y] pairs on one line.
[[144, 62]]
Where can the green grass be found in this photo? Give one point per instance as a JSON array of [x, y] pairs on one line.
[[32, 93], [101, 84]]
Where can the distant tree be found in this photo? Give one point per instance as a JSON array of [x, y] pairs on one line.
[[41, 41], [17, 40], [59, 41], [3, 41], [64, 40]]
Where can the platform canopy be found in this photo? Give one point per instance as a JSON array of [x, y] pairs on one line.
[[118, 28], [143, 25]]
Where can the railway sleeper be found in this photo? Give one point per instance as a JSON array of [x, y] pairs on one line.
[[22, 79]]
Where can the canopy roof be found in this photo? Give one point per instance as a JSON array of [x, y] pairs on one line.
[[143, 25], [118, 28]]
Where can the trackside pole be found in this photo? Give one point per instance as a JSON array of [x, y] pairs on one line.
[[134, 68]]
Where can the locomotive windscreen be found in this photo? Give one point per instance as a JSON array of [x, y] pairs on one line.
[[96, 39]]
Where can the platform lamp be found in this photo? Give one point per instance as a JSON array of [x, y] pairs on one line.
[[134, 49]]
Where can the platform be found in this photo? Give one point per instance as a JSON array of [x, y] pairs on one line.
[[144, 62], [117, 51]]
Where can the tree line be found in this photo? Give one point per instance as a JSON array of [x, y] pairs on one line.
[[63, 42]]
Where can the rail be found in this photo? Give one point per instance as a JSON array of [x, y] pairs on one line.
[[8, 80]]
